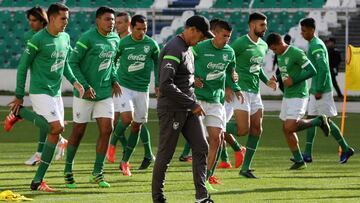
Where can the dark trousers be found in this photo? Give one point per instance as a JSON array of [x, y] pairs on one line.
[[171, 124], [335, 84]]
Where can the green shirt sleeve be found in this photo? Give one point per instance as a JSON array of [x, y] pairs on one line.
[[308, 70], [77, 55], [238, 47], [67, 69], [155, 58], [321, 67], [263, 77], [228, 78]]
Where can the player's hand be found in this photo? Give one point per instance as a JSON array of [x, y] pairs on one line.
[[15, 105], [79, 88], [198, 83], [228, 94], [318, 96], [198, 110], [90, 93], [272, 84], [234, 76], [116, 89], [239, 96], [157, 92], [287, 82]]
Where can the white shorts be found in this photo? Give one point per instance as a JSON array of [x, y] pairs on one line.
[[293, 108], [51, 108], [214, 115], [134, 101], [229, 111], [325, 105], [84, 111], [251, 104]]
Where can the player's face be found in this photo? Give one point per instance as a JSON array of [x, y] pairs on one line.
[[60, 20], [35, 24], [276, 49], [106, 22], [307, 33], [121, 25], [222, 37], [260, 27], [139, 30], [196, 36]]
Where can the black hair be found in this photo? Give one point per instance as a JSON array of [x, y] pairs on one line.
[[125, 14], [273, 39], [257, 16], [137, 19], [213, 23], [56, 8], [308, 22], [220, 24], [287, 38], [39, 13], [102, 10]]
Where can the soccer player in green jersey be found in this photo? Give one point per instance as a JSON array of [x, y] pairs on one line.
[[46, 54], [122, 24], [295, 68], [92, 61], [250, 51], [138, 55], [321, 94]]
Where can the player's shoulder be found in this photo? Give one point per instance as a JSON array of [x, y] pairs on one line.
[[175, 46], [242, 39], [203, 44]]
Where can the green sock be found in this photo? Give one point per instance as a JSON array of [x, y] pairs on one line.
[[119, 134], [186, 150], [231, 128], [42, 139], [310, 137], [145, 138], [45, 161], [132, 142], [216, 161], [70, 154], [297, 155], [36, 119], [251, 146], [236, 146], [336, 133], [208, 174], [224, 155], [99, 164]]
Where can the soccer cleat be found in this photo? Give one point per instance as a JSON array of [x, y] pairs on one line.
[[110, 155], [69, 181], [346, 155], [146, 163], [60, 148], [214, 180], [325, 126], [41, 186], [206, 200], [306, 158], [209, 187], [10, 121], [298, 166], [186, 158], [239, 157], [99, 179], [224, 164], [248, 174], [125, 167], [34, 159]]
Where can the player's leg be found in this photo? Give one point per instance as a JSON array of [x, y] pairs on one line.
[[149, 156], [214, 148], [238, 149], [224, 156], [311, 132]]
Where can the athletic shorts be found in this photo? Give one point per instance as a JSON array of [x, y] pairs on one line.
[[214, 115], [325, 105], [84, 110], [293, 108], [252, 102], [51, 108], [229, 111]]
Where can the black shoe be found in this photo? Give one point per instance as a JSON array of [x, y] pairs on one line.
[[207, 200], [34, 185], [306, 158], [298, 165], [160, 200], [247, 174], [346, 155], [146, 163], [325, 126]]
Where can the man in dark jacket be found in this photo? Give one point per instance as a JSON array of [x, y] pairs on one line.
[[334, 60]]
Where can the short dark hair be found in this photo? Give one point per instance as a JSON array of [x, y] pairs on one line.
[[56, 8], [213, 23], [39, 13], [137, 19], [257, 16], [273, 39], [331, 39], [221, 24], [102, 10], [125, 14], [287, 38], [308, 22]]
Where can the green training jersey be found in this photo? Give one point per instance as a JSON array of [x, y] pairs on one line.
[[46, 55], [28, 35], [92, 62], [290, 64], [318, 55], [249, 62], [213, 66], [137, 60]]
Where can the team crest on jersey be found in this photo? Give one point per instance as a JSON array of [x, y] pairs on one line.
[[176, 125], [225, 57], [146, 49], [286, 60]]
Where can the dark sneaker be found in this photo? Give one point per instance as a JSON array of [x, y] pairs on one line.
[[247, 174], [207, 200], [306, 158], [146, 163], [346, 155], [187, 158], [298, 166], [41, 186], [160, 200], [325, 126]]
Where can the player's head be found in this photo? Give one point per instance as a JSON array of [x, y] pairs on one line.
[[138, 27], [258, 24], [58, 15], [213, 24], [222, 31], [330, 42], [122, 22], [276, 43], [37, 18], [105, 19], [308, 28], [287, 39], [197, 28]]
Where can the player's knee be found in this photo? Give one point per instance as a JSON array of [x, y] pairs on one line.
[[215, 140], [56, 130], [106, 131]]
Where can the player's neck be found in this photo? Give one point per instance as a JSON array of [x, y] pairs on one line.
[[216, 45], [103, 32], [253, 37], [52, 30], [124, 34]]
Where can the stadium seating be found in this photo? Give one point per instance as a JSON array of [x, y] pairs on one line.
[[269, 3]]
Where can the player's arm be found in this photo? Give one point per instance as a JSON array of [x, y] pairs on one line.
[[308, 70], [229, 82], [155, 58], [77, 55], [198, 80], [321, 66], [238, 47]]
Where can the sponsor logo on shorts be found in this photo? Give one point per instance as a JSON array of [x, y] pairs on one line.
[[53, 113], [77, 114], [175, 125], [123, 105]]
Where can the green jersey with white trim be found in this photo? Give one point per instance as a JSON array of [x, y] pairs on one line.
[[213, 66], [46, 55], [290, 64], [249, 62], [92, 62], [28, 35], [137, 60], [318, 55]]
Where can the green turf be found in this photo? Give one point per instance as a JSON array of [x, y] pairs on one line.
[[323, 181]]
